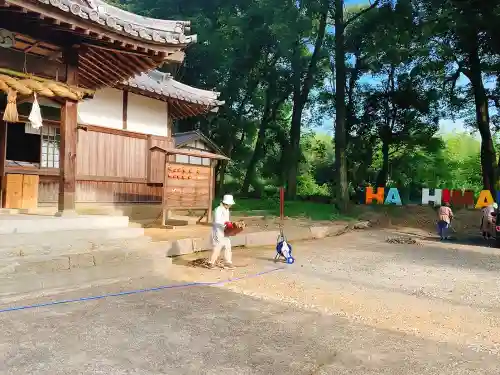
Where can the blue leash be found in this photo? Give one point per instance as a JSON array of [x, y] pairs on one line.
[[130, 292]]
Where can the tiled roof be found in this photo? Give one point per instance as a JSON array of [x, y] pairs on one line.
[[123, 22], [184, 138], [164, 85]]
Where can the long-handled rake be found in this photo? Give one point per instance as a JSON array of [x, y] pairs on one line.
[[283, 248]]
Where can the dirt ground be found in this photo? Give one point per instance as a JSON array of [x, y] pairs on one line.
[[444, 292], [415, 219], [466, 221], [254, 224], [352, 304]]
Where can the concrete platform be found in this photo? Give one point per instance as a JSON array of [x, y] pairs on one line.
[[15, 287], [19, 223], [42, 273], [55, 238], [43, 244]]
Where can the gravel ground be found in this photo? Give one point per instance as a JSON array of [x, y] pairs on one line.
[[437, 292], [213, 331], [352, 304]]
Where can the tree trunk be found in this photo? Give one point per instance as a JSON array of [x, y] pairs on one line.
[[299, 102], [257, 154], [270, 112], [342, 192], [293, 156], [383, 174], [219, 188], [483, 121]]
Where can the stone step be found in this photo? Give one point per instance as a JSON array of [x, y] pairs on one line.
[[14, 287], [69, 236], [55, 262], [57, 245], [15, 224]]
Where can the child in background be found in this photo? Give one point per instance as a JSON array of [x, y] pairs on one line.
[[488, 221], [445, 215]]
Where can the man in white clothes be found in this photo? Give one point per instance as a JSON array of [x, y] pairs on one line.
[[219, 240]]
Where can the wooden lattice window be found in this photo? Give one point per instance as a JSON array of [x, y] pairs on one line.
[[51, 139]]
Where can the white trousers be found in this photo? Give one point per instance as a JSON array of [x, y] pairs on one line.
[[218, 246]]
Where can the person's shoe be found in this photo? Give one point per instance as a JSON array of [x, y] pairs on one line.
[[229, 266], [210, 266]]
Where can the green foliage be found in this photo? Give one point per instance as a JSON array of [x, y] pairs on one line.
[[296, 209], [408, 65]]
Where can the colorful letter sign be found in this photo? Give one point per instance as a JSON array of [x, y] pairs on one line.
[[485, 199], [434, 198], [462, 199], [378, 196], [393, 197]]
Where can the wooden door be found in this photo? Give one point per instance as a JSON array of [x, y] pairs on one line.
[[21, 191], [13, 190], [30, 191]]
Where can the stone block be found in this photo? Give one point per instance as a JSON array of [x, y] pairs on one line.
[[110, 256], [9, 211], [362, 225], [15, 284], [16, 224], [261, 238], [202, 244], [319, 232], [9, 252], [181, 247], [41, 265], [81, 260], [298, 234]]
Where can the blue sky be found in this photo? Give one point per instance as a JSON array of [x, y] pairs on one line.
[[447, 125]]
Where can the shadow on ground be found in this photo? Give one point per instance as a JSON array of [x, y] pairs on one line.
[[207, 330]]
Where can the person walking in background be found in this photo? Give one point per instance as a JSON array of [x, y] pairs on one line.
[[487, 220], [445, 215], [219, 240]]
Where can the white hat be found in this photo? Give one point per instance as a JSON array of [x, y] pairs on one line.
[[228, 199]]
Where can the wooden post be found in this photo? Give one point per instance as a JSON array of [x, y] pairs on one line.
[[125, 109], [3, 160], [164, 211], [67, 147], [211, 191]]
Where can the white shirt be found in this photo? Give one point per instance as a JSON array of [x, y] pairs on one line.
[[221, 216]]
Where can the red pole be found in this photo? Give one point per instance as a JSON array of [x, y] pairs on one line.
[[282, 203]]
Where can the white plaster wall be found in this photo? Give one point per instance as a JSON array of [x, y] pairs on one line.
[[105, 109], [147, 115]]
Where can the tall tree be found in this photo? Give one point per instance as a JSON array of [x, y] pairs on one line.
[[303, 81], [342, 185], [458, 30]]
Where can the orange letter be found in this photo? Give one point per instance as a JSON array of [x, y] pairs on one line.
[[370, 196]]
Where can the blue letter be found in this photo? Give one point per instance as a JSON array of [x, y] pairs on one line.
[[393, 197]]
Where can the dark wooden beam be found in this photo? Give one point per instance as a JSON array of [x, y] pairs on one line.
[[67, 148], [3, 157], [35, 65], [165, 212], [125, 109]]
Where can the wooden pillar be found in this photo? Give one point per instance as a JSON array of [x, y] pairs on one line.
[[211, 192], [67, 147], [3, 160], [125, 109], [165, 213]]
